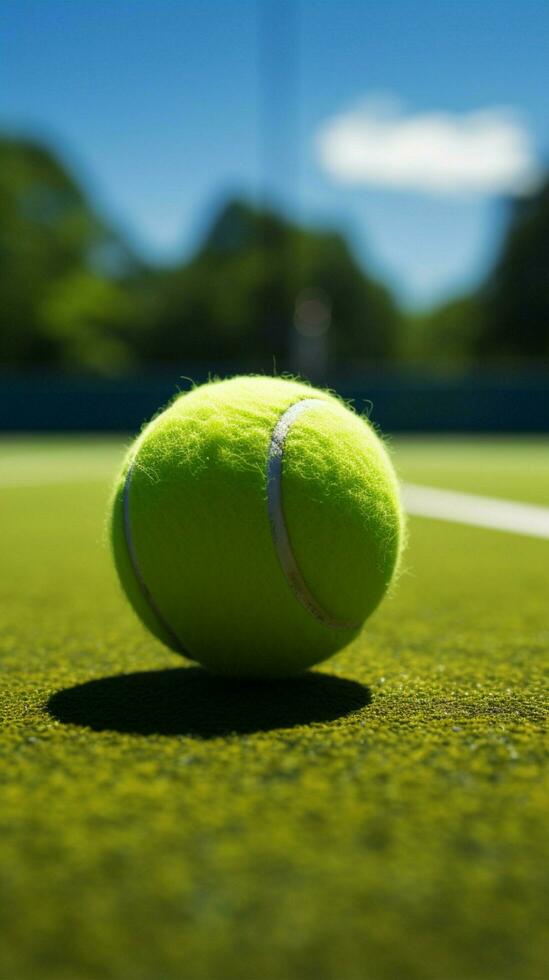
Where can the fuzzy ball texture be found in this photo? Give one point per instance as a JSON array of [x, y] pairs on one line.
[[256, 546]]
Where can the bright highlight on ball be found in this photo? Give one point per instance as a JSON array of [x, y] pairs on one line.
[[256, 524]]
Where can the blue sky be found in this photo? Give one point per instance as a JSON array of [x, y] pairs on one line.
[[165, 107]]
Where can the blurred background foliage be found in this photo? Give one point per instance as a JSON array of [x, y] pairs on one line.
[[259, 291]]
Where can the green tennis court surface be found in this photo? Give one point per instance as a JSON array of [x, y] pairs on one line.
[[384, 819]]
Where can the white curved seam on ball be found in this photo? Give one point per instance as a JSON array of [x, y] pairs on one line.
[[130, 544], [281, 537]]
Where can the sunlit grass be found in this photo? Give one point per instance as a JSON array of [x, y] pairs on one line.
[[391, 828]]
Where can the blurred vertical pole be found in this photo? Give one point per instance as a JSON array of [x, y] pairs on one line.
[[279, 69], [278, 29], [296, 314]]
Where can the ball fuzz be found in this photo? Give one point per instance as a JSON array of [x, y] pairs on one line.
[[255, 525]]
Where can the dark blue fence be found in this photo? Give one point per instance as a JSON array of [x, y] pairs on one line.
[[398, 403]]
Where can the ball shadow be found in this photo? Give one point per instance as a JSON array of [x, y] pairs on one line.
[[189, 701]]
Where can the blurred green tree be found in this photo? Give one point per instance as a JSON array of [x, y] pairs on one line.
[[63, 272], [258, 290], [445, 338], [236, 298], [515, 297], [505, 321]]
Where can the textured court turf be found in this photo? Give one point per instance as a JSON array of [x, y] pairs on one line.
[[383, 819]]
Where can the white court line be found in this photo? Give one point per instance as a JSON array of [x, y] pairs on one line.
[[420, 501], [467, 508]]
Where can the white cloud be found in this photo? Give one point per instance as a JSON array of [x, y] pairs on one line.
[[484, 152]]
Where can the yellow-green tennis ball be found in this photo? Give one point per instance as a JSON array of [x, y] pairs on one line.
[[256, 524]]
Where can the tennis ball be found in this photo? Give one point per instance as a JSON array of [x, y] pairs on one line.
[[255, 525]]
